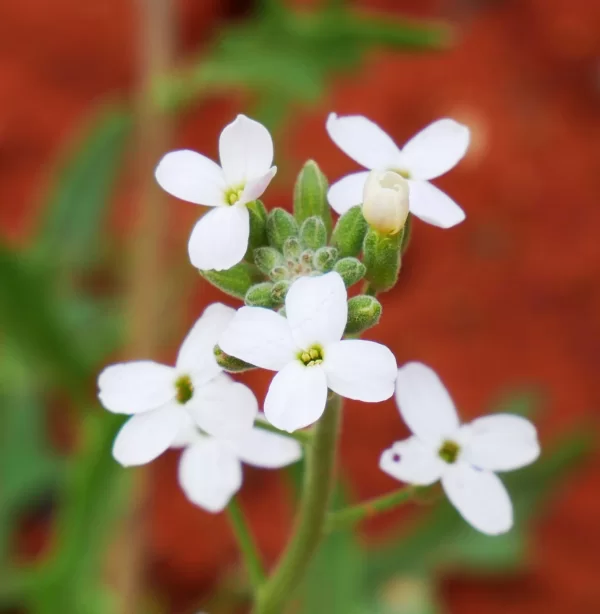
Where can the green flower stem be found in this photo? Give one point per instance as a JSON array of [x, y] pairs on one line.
[[304, 437], [246, 544], [351, 515], [310, 523]]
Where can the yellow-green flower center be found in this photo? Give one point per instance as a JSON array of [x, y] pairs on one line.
[[449, 451], [185, 389], [402, 172], [312, 356], [232, 195]]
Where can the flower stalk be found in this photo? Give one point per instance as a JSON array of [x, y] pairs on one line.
[[310, 524]]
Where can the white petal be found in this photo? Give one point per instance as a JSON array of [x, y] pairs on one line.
[[191, 176], [220, 238], [261, 337], [480, 497], [501, 442], [133, 387], [245, 149], [361, 370], [436, 149], [210, 474], [316, 309], [268, 450], [347, 192], [296, 397], [413, 462], [196, 352], [146, 436], [363, 140], [433, 206], [188, 432], [255, 188], [223, 407], [425, 404]]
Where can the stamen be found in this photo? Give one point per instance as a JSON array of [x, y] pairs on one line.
[[185, 389]]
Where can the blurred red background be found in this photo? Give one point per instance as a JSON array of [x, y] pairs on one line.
[[511, 297]]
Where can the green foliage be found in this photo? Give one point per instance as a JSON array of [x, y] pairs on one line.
[[230, 363], [259, 295], [381, 256], [280, 226], [351, 270], [363, 313], [313, 233], [258, 227], [310, 198], [325, 258], [234, 281], [349, 232], [292, 248], [267, 258], [279, 291]]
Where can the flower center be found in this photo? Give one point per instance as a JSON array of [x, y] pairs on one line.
[[311, 357], [232, 195], [449, 451], [402, 172], [185, 389]]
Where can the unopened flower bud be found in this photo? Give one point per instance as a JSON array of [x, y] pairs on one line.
[[385, 201], [267, 258], [325, 258], [230, 363], [351, 270], [292, 248], [259, 295], [280, 226], [363, 313]]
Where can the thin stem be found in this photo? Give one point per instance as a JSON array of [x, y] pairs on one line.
[[304, 437], [351, 515], [310, 523], [246, 543], [368, 289]]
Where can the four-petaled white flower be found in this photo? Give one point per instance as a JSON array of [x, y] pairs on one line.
[[220, 238], [429, 154], [306, 349], [160, 398], [210, 468], [464, 457]]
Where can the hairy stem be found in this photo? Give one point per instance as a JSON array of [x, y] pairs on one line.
[[310, 523]]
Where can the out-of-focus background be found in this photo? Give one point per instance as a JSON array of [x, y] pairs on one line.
[[93, 269]]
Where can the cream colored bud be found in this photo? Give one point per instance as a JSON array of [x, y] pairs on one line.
[[385, 201]]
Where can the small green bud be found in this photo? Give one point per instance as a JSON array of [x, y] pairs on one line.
[[234, 281], [381, 256], [280, 226], [349, 232], [351, 270], [279, 290], [230, 363], [363, 313], [267, 258], [258, 227], [259, 295], [278, 273], [306, 258], [313, 233], [292, 248], [325, 258], [310, 195]]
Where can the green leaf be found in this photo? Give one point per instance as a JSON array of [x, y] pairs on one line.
[[349, 232], [234, 281], [310, 197]]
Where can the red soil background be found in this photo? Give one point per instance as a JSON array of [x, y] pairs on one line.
[[510, 297]]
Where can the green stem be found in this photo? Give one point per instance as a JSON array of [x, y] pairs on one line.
[[246, 543], [304, 437], [310, 523], [351, 515]]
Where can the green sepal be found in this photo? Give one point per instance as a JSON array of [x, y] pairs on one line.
[[230, 363], [306, 258], [267, 258], [313, 233], [292, 248], [280, 226], [363, 312], [381, 256], [278, 273], [258, 227], [351, 270], [406, 234], [234, 281], [259, 295], [325, 258], [279, 291], [310, 195], [349, 232]]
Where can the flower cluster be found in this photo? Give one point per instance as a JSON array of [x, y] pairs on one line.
[[293, 273]]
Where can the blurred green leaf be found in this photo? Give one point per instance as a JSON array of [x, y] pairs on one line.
[[79, 199]]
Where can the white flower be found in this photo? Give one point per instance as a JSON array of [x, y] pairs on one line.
[[160, 397], [463, 457], [210, 468], [429, 154], [307, 351], [220, 238], [385, 201]]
